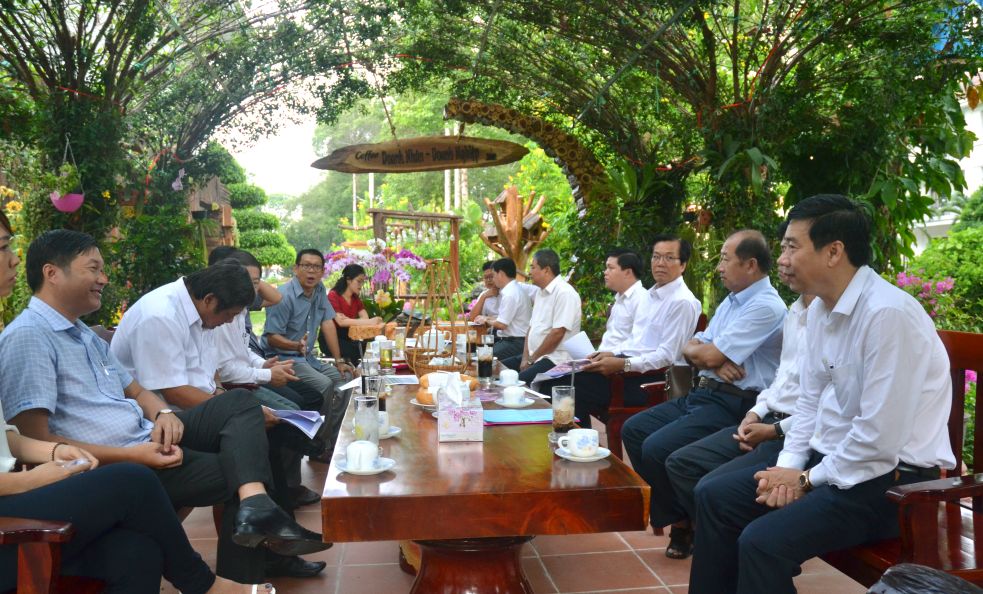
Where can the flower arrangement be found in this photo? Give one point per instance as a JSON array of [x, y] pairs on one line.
[[384, 267]]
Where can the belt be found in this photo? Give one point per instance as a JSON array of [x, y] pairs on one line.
[[232, 386], [512, 338], [779, 416], [714, 385], [932, 472]]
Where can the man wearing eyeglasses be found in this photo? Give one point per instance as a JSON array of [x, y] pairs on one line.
[[291, 331], [646, 330]]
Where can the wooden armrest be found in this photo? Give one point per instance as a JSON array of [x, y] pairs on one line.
[[654, 390], [935, 491], [22, 530]]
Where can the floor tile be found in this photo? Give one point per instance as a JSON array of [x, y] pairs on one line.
[[537, 576], [362, 553], [824, 583], [368, 579], [603, 542], [599, 571], [674, 572], [323, 583], [645, 540]]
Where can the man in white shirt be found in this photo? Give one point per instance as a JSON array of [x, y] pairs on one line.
[[515, 311], [665, 318], [555, 318], [883, 424], [762, 430], [487, 304]]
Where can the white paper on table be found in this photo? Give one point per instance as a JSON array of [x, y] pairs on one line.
[[407, 380], [351, 385], [578, 346]]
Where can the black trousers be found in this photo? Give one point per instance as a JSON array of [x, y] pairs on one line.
[[530, 373], [743, 546], [593, 393], [126, 532], [225, 446]]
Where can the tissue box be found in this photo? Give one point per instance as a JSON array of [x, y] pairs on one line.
[[463, 422]]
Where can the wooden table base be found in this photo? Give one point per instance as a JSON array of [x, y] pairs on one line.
[[471, 566]]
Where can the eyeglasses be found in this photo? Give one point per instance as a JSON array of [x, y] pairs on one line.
[[664, 258], [311, 267]]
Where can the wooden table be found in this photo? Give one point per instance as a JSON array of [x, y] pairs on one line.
[[471, 506]]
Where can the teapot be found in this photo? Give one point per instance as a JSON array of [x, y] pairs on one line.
[[434, 340]]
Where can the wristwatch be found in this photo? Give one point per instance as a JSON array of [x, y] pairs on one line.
[[778, 429], [627, 364], [163, 411], [804, 482]]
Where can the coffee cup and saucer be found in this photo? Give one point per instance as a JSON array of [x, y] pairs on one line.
[[514, 397], [363, 458], [509, 377], [581, 445]]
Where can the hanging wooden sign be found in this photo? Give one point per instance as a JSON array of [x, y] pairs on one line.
[[426, 153]]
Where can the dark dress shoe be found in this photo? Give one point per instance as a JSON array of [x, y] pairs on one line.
[[270, 526], [324, 457], [293, 567], [301, 496]]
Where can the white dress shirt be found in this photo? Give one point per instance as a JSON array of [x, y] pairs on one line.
[[515, 310], [492, 305], [161, 342], [666, 326], [626, 309], [237, 364], [892, 390], [784, 390], [557, 306]]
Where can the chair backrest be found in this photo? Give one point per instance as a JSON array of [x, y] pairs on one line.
[[965, 351]]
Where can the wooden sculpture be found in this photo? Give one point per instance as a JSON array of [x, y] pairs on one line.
[[517, 227]]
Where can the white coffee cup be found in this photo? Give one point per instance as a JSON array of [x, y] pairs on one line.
[[581, 443], [361, 455], [383, 422], [512, 395], [509, 377]]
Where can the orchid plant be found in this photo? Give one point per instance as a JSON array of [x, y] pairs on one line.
[[385, 267]]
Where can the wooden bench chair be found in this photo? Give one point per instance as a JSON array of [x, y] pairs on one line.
[[938, 519], [618, 412], [39, 557]]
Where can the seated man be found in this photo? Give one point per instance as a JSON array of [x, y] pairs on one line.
[[737, 355], [664, 318], [883, 424], [79, 393], [555, 318], [487, 304], [515, 309], [763, 427], [290, 333]]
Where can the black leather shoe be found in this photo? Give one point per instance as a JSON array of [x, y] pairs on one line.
[[324, 457], [301, 496], [275, 529], [293, 567]]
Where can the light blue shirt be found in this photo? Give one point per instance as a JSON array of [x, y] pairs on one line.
[[747, 329], [66, 369], [295, 315]]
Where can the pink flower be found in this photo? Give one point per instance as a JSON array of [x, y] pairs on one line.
[[970, 379]]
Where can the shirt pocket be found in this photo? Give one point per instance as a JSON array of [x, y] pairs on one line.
[[846, 387]]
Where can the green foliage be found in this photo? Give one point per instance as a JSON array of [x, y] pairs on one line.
[[249, 220], [215, 160], [956, 256], [246, 195], [971, 212]]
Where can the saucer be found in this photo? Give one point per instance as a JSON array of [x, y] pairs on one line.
[[501, 385], [526, 401], [566, 455], [416, 402], [393, 432], [381, 465]]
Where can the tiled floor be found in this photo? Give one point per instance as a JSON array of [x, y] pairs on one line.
[[625, 562]]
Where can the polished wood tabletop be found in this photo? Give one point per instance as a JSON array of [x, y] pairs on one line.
[[511, 484]]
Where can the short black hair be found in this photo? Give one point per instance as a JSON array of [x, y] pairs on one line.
[[547, 258], [836, 218], [348, 273], [506, 265], [308, 252], [235, 255], [58, 247], [754, 245], [5, 222], [627, 259], [685, 247], [487, 265], [220, 253], [228, 281]]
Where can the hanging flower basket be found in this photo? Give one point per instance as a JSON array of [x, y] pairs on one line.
[[67, 203]]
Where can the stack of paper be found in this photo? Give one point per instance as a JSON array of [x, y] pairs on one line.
[[308, 421], [518, 416]]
